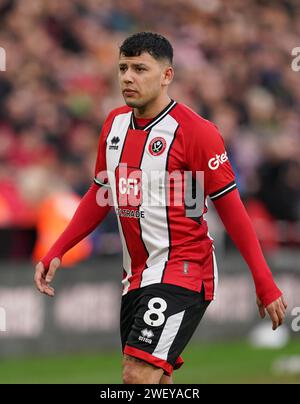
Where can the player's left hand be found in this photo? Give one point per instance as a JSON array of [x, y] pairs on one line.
[[276, 311]]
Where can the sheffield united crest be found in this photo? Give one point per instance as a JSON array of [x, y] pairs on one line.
[[157, 146]]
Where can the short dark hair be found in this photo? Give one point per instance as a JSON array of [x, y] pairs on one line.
[[155, 44]]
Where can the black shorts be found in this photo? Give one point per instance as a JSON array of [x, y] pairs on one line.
[[157, 322]]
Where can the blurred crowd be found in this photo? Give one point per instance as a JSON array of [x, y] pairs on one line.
[[232, 65]]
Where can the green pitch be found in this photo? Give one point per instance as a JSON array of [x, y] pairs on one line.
[[205, 363]]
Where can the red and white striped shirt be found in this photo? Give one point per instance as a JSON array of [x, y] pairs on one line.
[[161, 242]]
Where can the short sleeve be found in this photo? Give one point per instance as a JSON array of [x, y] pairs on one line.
[[206, 152]]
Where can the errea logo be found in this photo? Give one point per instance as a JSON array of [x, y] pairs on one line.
[[214, 163], [114, 143], [146, 336]]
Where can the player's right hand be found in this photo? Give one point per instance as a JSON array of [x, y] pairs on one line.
[[43, 277]]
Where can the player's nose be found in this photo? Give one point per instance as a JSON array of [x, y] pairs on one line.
[[127, 77]]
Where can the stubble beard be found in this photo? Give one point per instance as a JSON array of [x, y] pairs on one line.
[[134, 103], [139, 105]]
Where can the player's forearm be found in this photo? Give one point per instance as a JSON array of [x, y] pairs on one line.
[[239, 227], [87, 217]]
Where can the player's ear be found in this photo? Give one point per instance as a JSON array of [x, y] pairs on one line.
[[168, 74]]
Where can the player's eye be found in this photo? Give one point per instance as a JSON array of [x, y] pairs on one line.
[[140, 69], [122, 68]]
